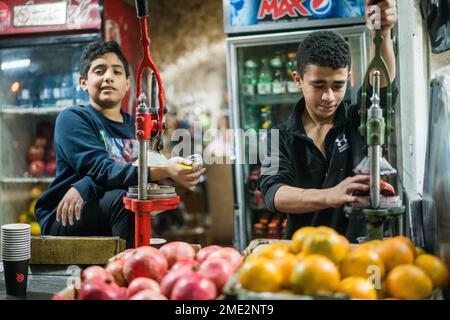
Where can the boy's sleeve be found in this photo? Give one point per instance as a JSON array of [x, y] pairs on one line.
[[78, 143], [88, 189], [276, 169], [354, 109]]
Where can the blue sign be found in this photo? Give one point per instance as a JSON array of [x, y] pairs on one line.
[[254, 12]]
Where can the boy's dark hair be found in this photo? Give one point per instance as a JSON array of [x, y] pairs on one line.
[[323, 48], [96, 49]]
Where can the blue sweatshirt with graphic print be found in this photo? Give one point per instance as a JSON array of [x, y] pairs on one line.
[[93, 154]]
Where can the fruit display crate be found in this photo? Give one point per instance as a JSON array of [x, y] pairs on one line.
[[234, 291]]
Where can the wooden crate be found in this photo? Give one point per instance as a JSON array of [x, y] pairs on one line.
[[53, 250]]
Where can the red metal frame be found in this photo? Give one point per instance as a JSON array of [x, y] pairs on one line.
[[148, 125]]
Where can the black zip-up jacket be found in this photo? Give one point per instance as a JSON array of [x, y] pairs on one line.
[[302, 165]]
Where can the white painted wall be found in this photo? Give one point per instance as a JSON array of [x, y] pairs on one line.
[[413, 56], [417, 66]]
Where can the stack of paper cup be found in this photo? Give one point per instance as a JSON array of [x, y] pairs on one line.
[[16, 252]]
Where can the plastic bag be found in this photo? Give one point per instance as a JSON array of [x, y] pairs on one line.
[[437, 14]]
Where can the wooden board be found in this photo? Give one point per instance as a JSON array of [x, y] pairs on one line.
[[74, 250]]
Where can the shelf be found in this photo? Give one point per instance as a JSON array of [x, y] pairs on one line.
[[45, 110], [26, 179], [288, 98]]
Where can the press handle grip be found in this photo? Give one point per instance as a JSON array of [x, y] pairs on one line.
[[141, 8]]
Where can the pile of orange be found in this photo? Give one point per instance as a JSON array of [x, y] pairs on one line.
[[320, 261]]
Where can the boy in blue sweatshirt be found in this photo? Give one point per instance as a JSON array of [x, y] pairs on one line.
[[95, 148]]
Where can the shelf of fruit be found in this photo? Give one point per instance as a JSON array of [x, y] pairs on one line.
[[176, 271], [40, 110], [319, 263]]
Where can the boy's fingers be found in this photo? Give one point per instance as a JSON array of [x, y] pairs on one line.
[[70, 213], [64, 214], [58, 211], [78, 211]]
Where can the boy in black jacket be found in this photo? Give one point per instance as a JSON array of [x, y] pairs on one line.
[[95, 148], [319, 144]]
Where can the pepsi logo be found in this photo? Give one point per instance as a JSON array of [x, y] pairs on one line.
[[320, 7]]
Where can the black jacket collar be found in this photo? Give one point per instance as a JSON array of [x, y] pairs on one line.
[[295, 125]]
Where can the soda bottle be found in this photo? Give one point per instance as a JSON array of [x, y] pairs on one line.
[[264, 78], [266, 116], [250, 77], [278, 78], [273, 231], [291, 66], [258, 231]]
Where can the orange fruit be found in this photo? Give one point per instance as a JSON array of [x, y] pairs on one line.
[[273, 251], [357, 288], [345, 243], [32, 206], [435, 268], [285, 266], [260, 274], [370, 245], [418, 251], [394, 252], [298, 237], [363, 264], [407, 241], [35, 192], [314, 274], [408, 282], [35, 229], [325, 243]]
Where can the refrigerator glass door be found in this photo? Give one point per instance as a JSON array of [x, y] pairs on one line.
[[263, 94]]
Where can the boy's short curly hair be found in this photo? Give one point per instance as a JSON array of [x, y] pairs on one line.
[[95, 50], [323, 48]]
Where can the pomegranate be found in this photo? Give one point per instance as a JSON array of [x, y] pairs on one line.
[[217, 270], [193, 264], [99, 290], [40, 142], [148, 295], [203, 253], [51, 155], [114, 292], [193, 286], [140, 284], [96, 273], [35, 153], [36, 168], [172, 277], [177, 251], [50, 167], [116, 269], [145, 263], [229, 254]]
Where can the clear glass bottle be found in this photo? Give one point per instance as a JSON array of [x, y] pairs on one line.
[[264, 78], [278, 75], [250, 78], [291, 66]]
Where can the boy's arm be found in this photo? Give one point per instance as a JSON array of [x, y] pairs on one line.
[[77, 143], [277, 178], [388, 13], [88, 189]]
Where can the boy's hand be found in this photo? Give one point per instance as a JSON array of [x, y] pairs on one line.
[[341, 194], [388, 13], [69, 207], [183, 176]]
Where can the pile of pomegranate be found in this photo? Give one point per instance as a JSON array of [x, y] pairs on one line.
[[174, 272], [41, 155]]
